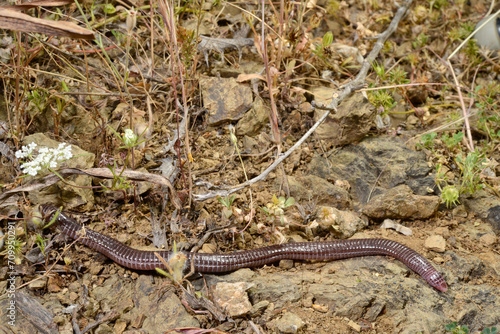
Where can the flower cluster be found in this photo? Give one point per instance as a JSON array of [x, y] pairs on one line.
[[45, 158], [129, 138]]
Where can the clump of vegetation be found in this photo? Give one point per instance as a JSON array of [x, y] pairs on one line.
[[446, 150], [455, 328], [275, 210], [383, 99]]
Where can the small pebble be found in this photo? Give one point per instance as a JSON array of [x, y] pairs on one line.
[[489, 239], [286, 264], [435, 243]]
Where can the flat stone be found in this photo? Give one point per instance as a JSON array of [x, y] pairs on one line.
[[401, 203], [351, 123], [233, 298], [38, 284], [226, 99], [375, 165], [254, 119], [343, 223], [286, 264], [289, 323], [488, 239], [435, 243], [494, 218]]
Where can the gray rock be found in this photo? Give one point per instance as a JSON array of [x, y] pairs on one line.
[[225, 99], [400, 202], [375, 165], [480, 203], [352, 122], [494, 218], [289, 323], [253, 120]]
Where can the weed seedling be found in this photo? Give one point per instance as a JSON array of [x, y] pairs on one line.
[[227, 202], [320, 49], [492, 330], [41, 243], [276, 209], [427, 141], [454, 328]]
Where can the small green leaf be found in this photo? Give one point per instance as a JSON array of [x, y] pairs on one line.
[[327, 39], [109, 9], [64, 86], [164, 273], [289, 202], [53, 220], [451, 326]]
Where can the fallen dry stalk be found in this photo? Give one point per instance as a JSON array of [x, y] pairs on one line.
[[103, 173]]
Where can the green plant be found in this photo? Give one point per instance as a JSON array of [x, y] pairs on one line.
[[472, 51], [379, 70], [227, 202], [427, 141], [450, 195], [398, 76], [13, 250], [452, 141], [325, 43], [489, 111], [41, 243], [420, 41], [276, 208], [119, 36], [471, 167], [333, 7], [109, 9], [492, 330], [52, 221], [437, 4], [39, 98], [470, 182], [188, 41], [462, 32], [119, 182], [454, 328], [129, 140], [382, 99]]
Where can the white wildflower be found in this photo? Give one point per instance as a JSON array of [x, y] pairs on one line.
[[45, 158], [129, 138], [25, 151]]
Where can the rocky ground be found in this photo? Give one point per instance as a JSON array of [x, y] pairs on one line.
[[352, 178]]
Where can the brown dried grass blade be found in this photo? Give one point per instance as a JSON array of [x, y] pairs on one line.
[[38, 3], [13, 20]]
